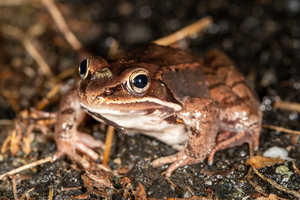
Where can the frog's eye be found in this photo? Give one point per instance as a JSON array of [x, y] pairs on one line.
[[84, 68], [139, 81]]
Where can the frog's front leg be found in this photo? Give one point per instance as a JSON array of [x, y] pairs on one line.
[[201, 115], [67, 138]]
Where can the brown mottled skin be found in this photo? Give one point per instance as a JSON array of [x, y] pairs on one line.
[[188, 101]]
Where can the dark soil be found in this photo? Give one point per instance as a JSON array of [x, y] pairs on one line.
[[262, 37]]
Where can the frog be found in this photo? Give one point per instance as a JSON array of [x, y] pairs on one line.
[[167, 93]]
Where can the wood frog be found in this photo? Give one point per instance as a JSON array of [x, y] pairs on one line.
[[165, 93]]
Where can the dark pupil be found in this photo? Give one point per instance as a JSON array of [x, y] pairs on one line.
[[140, 81], [83, 66]]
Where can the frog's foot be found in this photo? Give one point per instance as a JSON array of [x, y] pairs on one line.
[[82, 143], [235, 139], [180, 159]]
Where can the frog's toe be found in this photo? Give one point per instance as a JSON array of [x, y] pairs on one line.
[[181, 163], [78, 159], [180, 159], [90, 141], [236, 139], [173, 167], [84, 149], [166, 160], [69, 147]]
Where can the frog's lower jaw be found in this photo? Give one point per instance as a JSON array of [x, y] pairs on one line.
[[153, 124]]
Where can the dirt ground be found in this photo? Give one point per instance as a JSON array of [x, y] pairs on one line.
[[261, 36]]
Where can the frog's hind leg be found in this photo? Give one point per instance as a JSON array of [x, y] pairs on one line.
[[231, 139], [223, 136], [236, 139], [90, 141], [240, 114], [202, 121]]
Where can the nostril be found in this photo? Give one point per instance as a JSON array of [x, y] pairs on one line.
[[109, 91]]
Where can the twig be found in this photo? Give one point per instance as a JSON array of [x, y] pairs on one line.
[[191, 190], [6, 122], [295, 168], [182, 33], [278, 128], [16, 137], [66, 73], [45, 100], [13, 2], [38, 58], [71, 188], [14, 187], [82, 196], [30, 165], [62, 25], [50, 197], [285, 105], [5, 143], [108, 141], [12, 98], [26, 139], [255, 186], [179, 190], [26, 194], [250, 150], [276, 185]]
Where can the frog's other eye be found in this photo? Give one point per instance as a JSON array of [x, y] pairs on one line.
[[84, 68], [139, 81]]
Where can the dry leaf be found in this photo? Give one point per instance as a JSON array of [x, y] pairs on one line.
[[140, 193], [261, 162], [270, 197]]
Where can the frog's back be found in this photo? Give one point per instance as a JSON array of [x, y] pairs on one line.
[[163, 55]]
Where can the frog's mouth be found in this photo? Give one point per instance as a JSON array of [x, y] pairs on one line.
[[119, 128]]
